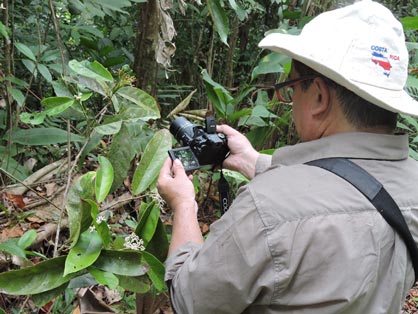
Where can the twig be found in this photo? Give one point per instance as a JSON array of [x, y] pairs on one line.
[[57, 235], [29, 188], [57, 32]]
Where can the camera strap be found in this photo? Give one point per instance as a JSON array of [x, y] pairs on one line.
[[224, 195], [374, 191]]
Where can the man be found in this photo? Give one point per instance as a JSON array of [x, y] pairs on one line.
[[297, 238]]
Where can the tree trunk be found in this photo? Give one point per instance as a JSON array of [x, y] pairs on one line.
[[145, 64]]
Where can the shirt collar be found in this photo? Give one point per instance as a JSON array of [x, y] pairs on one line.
[[348, 145]]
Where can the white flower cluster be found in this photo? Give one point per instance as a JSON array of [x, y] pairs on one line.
[[133, 242], [158, 199]]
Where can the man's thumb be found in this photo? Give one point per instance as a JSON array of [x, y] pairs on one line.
[[177, 167]]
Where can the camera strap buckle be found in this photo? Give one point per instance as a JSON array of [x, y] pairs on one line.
[[224, 196]]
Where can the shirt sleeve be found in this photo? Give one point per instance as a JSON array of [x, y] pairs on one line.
[[263, 163], [233, 264]]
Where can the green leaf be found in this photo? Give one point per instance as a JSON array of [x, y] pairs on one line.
[[27, 239], [104, 277], [30, 65], [145, 102], [10, 246], [3, 31], [104, 179], [271, 63], [84, 253], [156, 271], [155, 154], [34, 118], [25, 50], [410, 22], [139, 284], [44, 72], [92, 70], [40, 299], [18, 96], [219, 19], [159, 243], [109, 128], [125, 263], [56, 105], [148, 223], [35, 279], [43, 136], [121, 153], [79, 210]]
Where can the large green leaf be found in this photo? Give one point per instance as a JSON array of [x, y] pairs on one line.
[[410, 22], [155, 154], [139, 284], [104, 277], [271, 63], [156, 270], [42, 277], [121, 153], [104, 179], [219, 19], [56, 105], [125, 263], [159, 243], [148, 222], [147, 107], [92, 70], [78, 210], [84, 253], [25, 50], [43, 136]]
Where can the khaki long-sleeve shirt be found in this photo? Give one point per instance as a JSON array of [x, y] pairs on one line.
[[299, 239]]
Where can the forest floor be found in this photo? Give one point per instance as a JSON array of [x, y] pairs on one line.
[[28, 211]]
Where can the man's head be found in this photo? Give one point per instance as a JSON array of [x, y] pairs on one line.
[[344, 110], [359, 54]]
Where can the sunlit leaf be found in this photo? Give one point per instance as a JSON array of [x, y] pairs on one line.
[[84, 253], [27, 239], [56, 105], [92, 70], [147, 107], [104, 179], [151, 162], [104, 277]]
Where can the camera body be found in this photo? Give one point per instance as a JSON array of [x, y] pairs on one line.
[[201, 146]]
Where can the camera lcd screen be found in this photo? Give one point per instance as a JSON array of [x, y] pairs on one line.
[[186, 156]]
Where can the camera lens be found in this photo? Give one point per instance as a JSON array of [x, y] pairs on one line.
[[183, 130]]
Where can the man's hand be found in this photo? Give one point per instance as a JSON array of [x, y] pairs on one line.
[[174, 186], [243, 156], [177, 190]]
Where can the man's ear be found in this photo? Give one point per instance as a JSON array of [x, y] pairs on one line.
[[322, 97]]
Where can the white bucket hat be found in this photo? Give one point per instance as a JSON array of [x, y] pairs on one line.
[[361, 47]]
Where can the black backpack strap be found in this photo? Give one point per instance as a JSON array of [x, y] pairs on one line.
[[376, 194]]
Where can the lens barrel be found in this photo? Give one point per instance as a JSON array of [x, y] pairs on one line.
[[183, 130]]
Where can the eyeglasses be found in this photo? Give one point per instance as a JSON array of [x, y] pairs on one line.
[[284, 91]]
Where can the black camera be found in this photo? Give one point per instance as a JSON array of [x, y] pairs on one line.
[[201, 146]]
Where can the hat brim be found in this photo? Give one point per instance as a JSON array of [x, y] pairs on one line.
[[393, 100]]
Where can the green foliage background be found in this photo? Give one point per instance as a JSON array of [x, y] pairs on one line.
[[68, 90]]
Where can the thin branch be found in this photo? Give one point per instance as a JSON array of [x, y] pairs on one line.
[[57, 32]]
